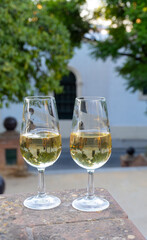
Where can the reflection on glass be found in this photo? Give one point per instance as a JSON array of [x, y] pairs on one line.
[[40, 144], [90, 145]]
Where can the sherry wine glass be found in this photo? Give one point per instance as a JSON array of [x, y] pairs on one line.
[[90, 145], [40, 144]]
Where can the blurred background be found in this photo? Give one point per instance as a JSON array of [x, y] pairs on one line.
[[68, 49]]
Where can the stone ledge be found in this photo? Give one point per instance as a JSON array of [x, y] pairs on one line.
[[64, 222]]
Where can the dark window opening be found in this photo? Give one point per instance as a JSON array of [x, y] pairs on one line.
[[65, 100], [11, 156], [144, 91]]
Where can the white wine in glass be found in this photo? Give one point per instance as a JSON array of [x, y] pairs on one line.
[[40, 144], [90, 145], [40, 148]]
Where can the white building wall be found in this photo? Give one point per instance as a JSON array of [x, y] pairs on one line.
[[98, 78], [126, 112]]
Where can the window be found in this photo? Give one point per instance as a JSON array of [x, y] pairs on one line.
[[65, 100], [143, 94], [11, 155]]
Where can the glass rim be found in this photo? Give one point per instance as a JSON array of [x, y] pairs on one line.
[[91, 98], [38, 98]]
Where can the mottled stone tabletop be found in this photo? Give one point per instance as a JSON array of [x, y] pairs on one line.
[[64, 222]]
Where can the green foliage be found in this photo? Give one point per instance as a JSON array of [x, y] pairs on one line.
[[30, 31], [68, 12], [127, 37]]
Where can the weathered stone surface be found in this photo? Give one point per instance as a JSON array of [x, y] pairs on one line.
[[64, 222], [114, 229]]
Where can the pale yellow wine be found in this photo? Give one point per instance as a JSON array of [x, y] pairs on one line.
[[90, 150], [40, 149]]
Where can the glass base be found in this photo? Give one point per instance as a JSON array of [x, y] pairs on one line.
[[42, 202], [93, 204]]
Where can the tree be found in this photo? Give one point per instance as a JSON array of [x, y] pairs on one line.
[[32, 32], [68, 12], [127, 36]]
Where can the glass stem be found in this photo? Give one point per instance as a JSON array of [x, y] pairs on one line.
[[41, 185], [90, 187]]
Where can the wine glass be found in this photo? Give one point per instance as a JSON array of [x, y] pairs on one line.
[[90, 145], [40, 144]]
